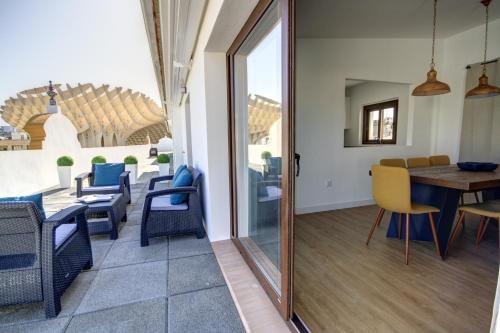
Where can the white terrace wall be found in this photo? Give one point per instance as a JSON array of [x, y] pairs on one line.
[[207, 89], [30, 171]]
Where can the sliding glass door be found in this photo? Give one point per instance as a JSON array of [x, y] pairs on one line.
[[260, 146]]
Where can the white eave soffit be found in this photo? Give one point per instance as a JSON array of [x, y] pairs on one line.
[[180, 25]]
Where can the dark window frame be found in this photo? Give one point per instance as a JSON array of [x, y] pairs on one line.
[[378, 107]]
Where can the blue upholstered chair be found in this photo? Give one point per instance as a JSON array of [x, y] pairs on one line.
[[175, 210], [274, 168], [105, 178]]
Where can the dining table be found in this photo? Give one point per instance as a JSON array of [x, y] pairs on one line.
[[441, 187]]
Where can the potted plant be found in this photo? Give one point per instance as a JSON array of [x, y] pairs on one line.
[[64, 164], [163, 161], [98, 159], [131, 166], [266, 155]]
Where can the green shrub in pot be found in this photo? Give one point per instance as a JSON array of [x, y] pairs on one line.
[[163, 158], [64, 164], [98, 159], [65, 161], [131, 166], [266, 155], [130, 160]]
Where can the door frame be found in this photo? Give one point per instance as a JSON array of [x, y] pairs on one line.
[[283, 301]]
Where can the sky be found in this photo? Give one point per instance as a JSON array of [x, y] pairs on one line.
[[74, 41], [264, 66]]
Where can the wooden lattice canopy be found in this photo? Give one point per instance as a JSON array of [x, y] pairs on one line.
[[101, 116], [262, 114]]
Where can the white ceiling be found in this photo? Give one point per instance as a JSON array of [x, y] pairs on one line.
[[388, 18], [351, 83]]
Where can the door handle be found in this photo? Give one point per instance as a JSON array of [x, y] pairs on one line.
[[297, 162]]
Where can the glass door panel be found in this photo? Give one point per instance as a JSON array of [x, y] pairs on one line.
[[258, 148]]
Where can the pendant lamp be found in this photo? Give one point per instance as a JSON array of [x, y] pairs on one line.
[[483, 89], [432, 86]]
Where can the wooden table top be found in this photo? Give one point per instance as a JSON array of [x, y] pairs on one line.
[[452, 177]]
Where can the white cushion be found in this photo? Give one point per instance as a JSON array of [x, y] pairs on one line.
[[101, 188], [163, 203], [273, 193], [63, 232]]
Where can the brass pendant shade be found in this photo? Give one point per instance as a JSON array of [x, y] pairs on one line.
[[432, 86], [484, 89]]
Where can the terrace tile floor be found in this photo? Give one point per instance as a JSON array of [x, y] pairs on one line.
[[173, 285]]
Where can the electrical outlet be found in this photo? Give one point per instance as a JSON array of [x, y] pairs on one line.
[[329, 183]]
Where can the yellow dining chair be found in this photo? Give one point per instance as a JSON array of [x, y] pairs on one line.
[[393, 162], [437, 160], [391, 191], [417, 162], [486, 211]]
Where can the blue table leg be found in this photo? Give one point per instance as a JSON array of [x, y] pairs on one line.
[[445, 199]]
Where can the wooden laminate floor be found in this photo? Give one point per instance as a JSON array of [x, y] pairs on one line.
[[341, 285]]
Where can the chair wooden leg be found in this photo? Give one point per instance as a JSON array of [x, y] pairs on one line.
[[434, 234], [485, 226], [407, 252], [479, 230], [374, 225], [477, 197], [460, 222], [381, 212], [498, 220], [399, 225]]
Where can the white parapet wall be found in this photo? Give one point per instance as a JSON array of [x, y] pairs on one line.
[[31, 171]]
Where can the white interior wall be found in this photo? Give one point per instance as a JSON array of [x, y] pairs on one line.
[[322, 68], [373, 92]]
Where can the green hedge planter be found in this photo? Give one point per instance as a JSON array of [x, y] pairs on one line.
[[98, 159]]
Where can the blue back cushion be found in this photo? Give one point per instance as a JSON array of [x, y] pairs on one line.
[[36, 198], [255, 180], [178, 172], [107, 174], [185, 178]]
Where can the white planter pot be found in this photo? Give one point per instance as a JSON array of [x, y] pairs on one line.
[[64, 173], [164, 168], [132, 168]]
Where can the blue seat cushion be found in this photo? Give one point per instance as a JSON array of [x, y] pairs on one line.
[[106, 174], [14, 261], [178, 172], [185, 179], [63, 232], [36, 198]]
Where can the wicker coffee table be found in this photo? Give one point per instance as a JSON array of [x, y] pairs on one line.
[[104, 217]]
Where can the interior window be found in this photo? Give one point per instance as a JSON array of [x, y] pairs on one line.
[[380, 123]]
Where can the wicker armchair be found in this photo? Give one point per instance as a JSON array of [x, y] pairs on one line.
[[160, 218], [123, 188], [40, 259]]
